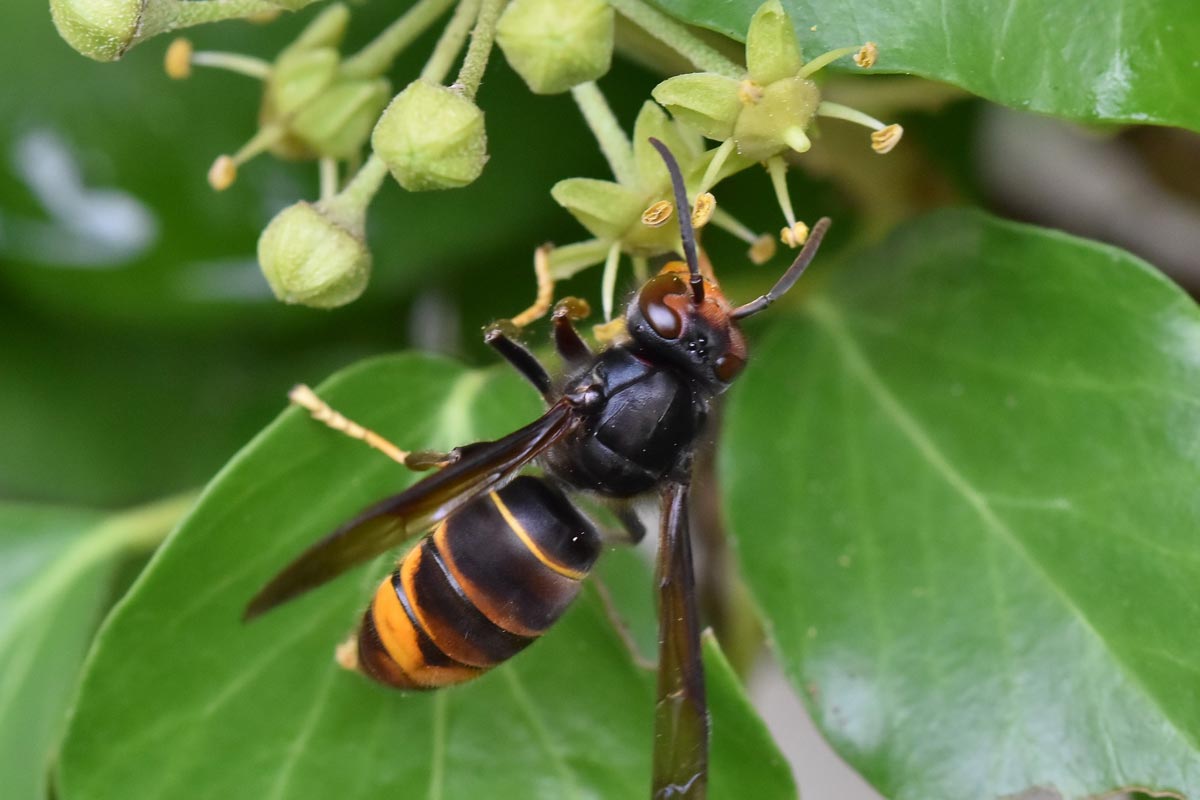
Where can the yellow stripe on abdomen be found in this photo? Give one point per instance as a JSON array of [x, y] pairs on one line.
[[515, 525]]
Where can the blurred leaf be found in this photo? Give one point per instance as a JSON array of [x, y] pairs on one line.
[[56, 568], [101, 416], [1113, 61], [178, 684], [49, 605], [964, 491]]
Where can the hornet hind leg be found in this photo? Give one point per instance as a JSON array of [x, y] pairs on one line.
[[321, 411]]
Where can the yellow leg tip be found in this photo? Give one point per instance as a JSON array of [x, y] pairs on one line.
[[346, 654]]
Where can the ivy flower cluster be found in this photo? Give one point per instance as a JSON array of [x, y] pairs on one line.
[[321, 104]]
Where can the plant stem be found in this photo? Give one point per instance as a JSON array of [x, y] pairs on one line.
[[641, 269], [234, 62], [470, 75], [160, 16], [377, 56], [611, 138], [826, 58], [727, 222], [839, 111], [262, 140], [450, 44], [349, 205], [677, 37], [714, 166], [327, 171], [778, 171]]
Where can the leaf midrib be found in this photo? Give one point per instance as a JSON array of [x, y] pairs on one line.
[[829, 318]]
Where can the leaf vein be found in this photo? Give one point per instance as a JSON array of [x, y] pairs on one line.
[[829, 318]]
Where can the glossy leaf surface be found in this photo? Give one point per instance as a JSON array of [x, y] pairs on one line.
[[971, 513], [212, 707], [1114, 60]]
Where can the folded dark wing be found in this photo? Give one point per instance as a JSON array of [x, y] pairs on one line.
[[480, 468]]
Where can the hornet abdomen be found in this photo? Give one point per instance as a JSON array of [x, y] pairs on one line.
[[479, 589]]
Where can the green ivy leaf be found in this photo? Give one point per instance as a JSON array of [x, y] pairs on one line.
[[980, 559], [1111, 61], [183, 700], [57, 567]]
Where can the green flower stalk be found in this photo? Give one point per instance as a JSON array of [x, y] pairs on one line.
[[105, 30]]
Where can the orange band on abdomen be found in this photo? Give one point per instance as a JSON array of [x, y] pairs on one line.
[[400, 639]]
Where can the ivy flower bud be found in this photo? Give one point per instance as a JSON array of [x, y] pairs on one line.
[[431, 137], [557, 44], [309, 256], [99, 29], [106, 29]]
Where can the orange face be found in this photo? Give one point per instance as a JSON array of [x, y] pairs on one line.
[[669, 308]]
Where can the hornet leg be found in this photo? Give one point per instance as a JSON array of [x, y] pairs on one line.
[[306, 398], [570, 346], [498, 336], [619, 625]]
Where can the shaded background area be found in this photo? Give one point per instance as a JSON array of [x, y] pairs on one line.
[[139, 347]]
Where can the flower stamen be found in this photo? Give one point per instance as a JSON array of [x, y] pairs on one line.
[[828, 58], [657, 214], [181, 57], [762, 246], [703, 210], [223, 172], [866, 57], [884, 138], [749, 92]]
